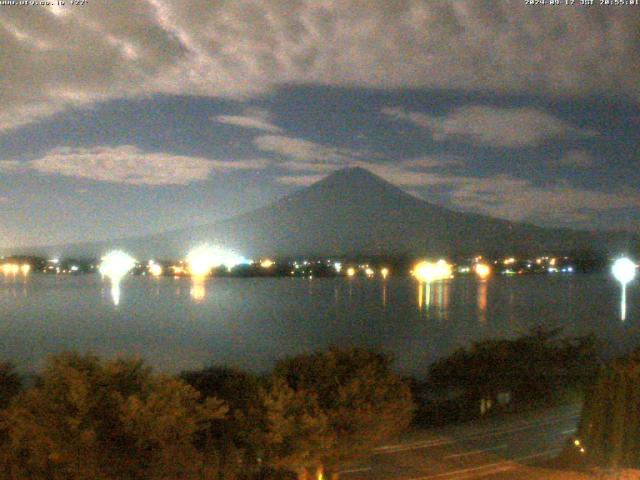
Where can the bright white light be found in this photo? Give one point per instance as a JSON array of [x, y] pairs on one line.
[[116, 264], [624, 270], [155, 269], [203, 259], [428, 272], [338, 267]]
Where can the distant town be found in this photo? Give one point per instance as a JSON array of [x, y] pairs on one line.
[[369, 267]]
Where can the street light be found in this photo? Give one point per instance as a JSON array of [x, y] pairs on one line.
[[115, 265], [624, 270]]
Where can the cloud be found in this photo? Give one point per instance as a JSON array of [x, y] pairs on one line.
[[128, 165], [577, 159], [243, 49], [430, 161], [520, 200], [299, 180], [305, 162], [257, 119], [491, 126], [303, 150], [296, 166]]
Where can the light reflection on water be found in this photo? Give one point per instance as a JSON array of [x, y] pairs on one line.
[[482, 300], [249, 323]]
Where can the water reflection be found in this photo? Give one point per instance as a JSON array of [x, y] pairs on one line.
[[623, 303], [442, 291], [435, 297], [115, 266], [198, 290], [384, 294], [115, 292], [424, 292], [482, 301], [77, 312]]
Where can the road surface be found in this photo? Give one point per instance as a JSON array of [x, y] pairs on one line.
[[476, 450]]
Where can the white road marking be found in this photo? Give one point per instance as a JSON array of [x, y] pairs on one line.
[[475, 436], [354, 470], [476, 452]]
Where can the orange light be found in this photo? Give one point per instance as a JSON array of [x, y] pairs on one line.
[[267, 263], [482, 270], [427, 272]]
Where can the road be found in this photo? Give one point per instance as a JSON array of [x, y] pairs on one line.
[[476, 450]]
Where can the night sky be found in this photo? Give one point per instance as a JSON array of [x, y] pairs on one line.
[[126, 118]]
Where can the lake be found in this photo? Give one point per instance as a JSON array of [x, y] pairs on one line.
[[250, 322]]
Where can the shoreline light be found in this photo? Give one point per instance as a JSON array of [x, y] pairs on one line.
[[384, 272], [155, 269], [201, 260], [482, 270], [115, 265], [427, 272], [267, 263], [624, 271]]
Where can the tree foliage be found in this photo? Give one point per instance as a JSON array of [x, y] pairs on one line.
[[10, 384], [296, 433], [237, 438], [610, 423], [89, 419], [104, 420], [534, 366], [354, 393]]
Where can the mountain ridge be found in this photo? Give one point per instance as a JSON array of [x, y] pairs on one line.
[[353, 211]]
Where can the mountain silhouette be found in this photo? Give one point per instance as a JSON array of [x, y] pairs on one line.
[[353, 211]]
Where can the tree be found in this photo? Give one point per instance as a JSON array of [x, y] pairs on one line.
[[610, 423], [10, 384], [353, 392], [89, 419], [296, 432], [534, 367], [238, 437]]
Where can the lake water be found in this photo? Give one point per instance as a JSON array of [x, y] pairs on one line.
[[249, 323]]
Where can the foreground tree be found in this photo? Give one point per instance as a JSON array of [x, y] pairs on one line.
[[535, 367], [610, 423], [295, 434], [348, 400], [10, 384], [104, 420], [236, 438]]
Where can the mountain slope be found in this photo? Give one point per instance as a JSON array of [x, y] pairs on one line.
[[354, 211]]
